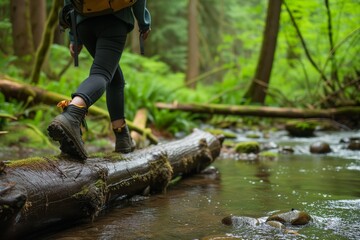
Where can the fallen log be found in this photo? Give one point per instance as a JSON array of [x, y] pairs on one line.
[[39, 192], [341, 113], [34, 95]]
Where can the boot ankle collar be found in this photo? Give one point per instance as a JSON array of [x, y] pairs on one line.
[[119, 130]]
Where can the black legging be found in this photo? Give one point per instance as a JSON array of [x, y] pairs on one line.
[[104, 37]]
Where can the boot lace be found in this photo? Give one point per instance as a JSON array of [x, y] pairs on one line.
[[64, 104]]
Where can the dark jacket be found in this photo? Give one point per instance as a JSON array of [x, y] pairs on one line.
[[138, 10]]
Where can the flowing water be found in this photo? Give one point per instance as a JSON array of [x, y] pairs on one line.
[[325, 186]]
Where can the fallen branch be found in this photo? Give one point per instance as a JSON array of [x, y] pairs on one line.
[[261, 111], [350, 115], [140, 120]]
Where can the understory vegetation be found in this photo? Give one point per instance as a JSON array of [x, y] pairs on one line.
[[228, 63]]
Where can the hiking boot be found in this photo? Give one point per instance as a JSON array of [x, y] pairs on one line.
[[124, 142], [66, 129]]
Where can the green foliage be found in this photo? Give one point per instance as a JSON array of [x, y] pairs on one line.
[[230, 39], [169, 36], [8, 110], [150, 81], [293, 71]]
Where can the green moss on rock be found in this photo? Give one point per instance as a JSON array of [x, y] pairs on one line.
[[300, 128], [247, 147]]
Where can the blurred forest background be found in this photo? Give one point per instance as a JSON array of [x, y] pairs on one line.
[[301, 54]]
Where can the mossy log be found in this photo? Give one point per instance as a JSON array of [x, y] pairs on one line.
[[36, 193], [13, 89], [338, 114]]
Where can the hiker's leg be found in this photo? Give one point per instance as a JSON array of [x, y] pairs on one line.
[[106, 74], [116, 104], [115, 99], [105, 38]]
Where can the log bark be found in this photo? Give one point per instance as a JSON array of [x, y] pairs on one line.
[[40, 192], [34, 95], [259, 111]]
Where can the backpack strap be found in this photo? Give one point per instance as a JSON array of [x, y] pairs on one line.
[[141, 41], [74, 31]]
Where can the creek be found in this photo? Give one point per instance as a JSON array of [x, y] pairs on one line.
[[325, 186]]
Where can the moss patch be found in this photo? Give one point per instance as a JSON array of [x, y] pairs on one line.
[[300, 128], [111, 156], [29, 162], [94, 197], [161, 173], [247, 147]]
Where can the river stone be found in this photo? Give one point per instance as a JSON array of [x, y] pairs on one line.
[[300, 128], [276, 224], [248, 147], [294, 217], [354, 145], [219, 237], [239, 221], [320, 147], [287, 150]]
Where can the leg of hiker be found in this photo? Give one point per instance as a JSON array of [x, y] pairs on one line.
[[104, 37], [116, 104]]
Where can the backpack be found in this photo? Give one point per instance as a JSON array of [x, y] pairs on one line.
[[100, 7]]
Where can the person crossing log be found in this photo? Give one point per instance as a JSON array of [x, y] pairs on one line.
[[36, 193]]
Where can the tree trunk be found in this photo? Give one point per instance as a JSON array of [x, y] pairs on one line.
[[193, 57], [21, 27], [22, 35], [258, 88], [33, 95], [46, 41], [38, 18], [39, 192], [343, 113]]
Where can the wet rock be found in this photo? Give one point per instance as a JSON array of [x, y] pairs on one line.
[[269, 145], [240, 221], [300, 128], [287, 150], [294, 217], [280, 221], [350, 139], [219, 237], [276, 224], [227, 221], [247, 147], [320, 148], [354, 145]]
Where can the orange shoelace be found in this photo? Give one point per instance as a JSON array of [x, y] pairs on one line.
[[63, 104]]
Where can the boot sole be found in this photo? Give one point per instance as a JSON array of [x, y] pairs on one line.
[[68, 145]]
